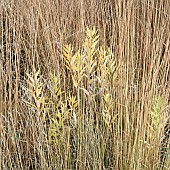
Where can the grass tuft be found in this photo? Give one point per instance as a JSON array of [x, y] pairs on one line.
[[84, 85]]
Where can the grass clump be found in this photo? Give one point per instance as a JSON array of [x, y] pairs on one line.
[[84, 85]]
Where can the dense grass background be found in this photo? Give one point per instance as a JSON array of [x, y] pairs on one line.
[[101, 103]]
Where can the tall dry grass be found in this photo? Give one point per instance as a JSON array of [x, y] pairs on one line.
[[99, 103]]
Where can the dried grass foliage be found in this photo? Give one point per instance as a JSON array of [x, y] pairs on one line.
[[84, 84]]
